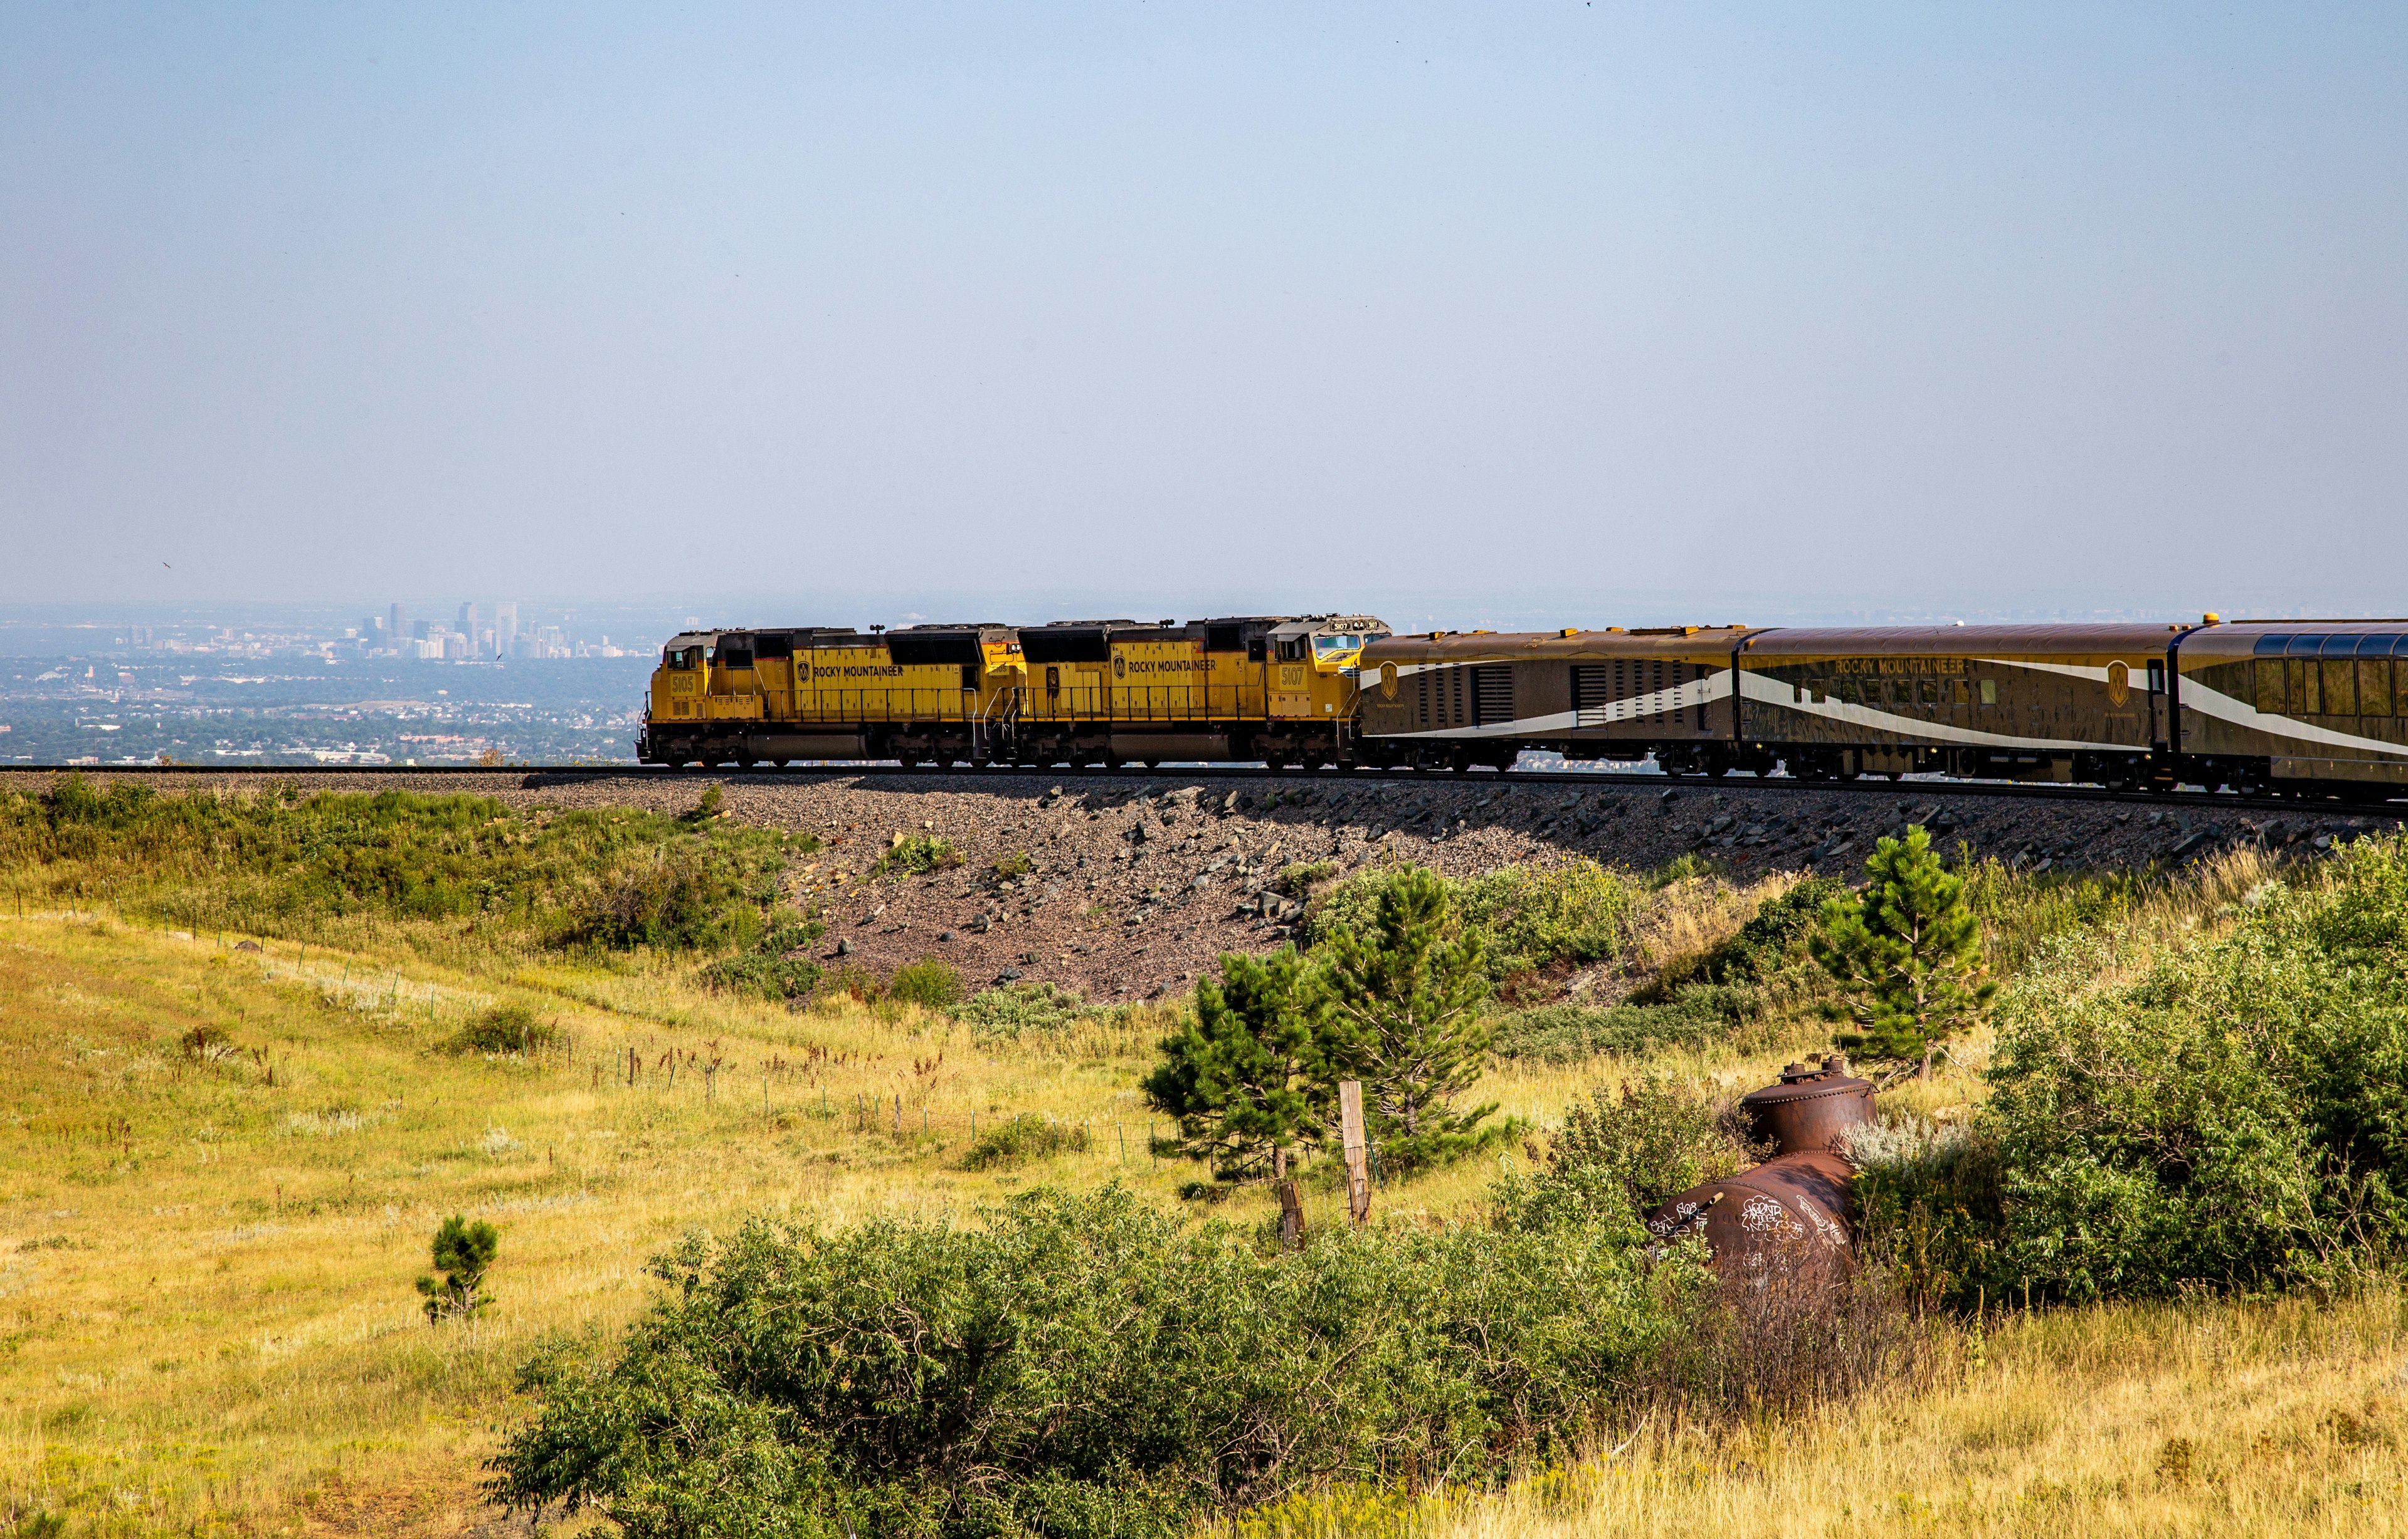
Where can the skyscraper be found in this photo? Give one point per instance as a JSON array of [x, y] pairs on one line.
[[396, 623], [506, 625], [469, 617]]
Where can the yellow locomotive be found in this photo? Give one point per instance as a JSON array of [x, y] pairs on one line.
[[1275, 688]]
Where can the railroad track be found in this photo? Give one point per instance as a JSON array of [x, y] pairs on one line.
[[1776, 785]]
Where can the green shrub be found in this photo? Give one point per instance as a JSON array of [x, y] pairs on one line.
[[676, 902], [503, 1029], [1699, 1015], [1772, 944], [284, 857], [1081, 1365], [1928, 1209], [767, 971], [928, 982], [763, 975], [1021, 1010], [1003, 1144], [2236, 1117], [1619, 1153], [1298, 879], [463, 1252], [1013, 866], [1527, 920], [916, 855]]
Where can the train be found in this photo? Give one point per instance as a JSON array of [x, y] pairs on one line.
[[2292, 706]]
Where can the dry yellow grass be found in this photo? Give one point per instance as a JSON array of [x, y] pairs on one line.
[[206, 1316], [2206, 1418], [208, 1324]]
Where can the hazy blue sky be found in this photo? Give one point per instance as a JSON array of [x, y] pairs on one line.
[[1215, 305]]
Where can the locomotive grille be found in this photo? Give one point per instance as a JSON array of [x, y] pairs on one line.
[[1492, 695]]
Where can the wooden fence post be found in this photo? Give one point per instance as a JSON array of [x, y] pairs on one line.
[[1291, 1216], [1358, 1170]]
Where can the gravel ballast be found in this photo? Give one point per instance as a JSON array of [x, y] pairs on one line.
[[1132, 887]]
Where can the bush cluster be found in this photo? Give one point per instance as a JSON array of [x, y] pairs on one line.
[[1525, 919], [1697, 1015], [1620, 1152], [2235, 1116], [511, 1028], [769, 970], [930, 983], [609, 878], [1083, 1365], [1022, 1009], [917, 855], [1018, 1140]]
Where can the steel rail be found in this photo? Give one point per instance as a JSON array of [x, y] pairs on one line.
[[1591, 779]]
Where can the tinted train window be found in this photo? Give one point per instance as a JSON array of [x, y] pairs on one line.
[[2374, 685], [2341, 687], [2301, 685], [2271, 697], [1926, 691], [1989, 691]]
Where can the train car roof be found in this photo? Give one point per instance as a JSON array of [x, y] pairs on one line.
[[2297, 638], [2077, 639], [1568, 644]]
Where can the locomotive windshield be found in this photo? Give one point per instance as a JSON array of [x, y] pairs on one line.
[[1343, 649]]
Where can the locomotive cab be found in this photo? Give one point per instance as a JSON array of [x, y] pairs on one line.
[[675, 712], [1311, 683]]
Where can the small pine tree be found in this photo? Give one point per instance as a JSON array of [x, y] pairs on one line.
[[1911, 949], [463, 1251], [1405, 998], [1251, 1077]]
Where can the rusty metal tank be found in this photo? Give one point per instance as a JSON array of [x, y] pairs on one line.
[[1792, 1208], [1811, 1110]]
